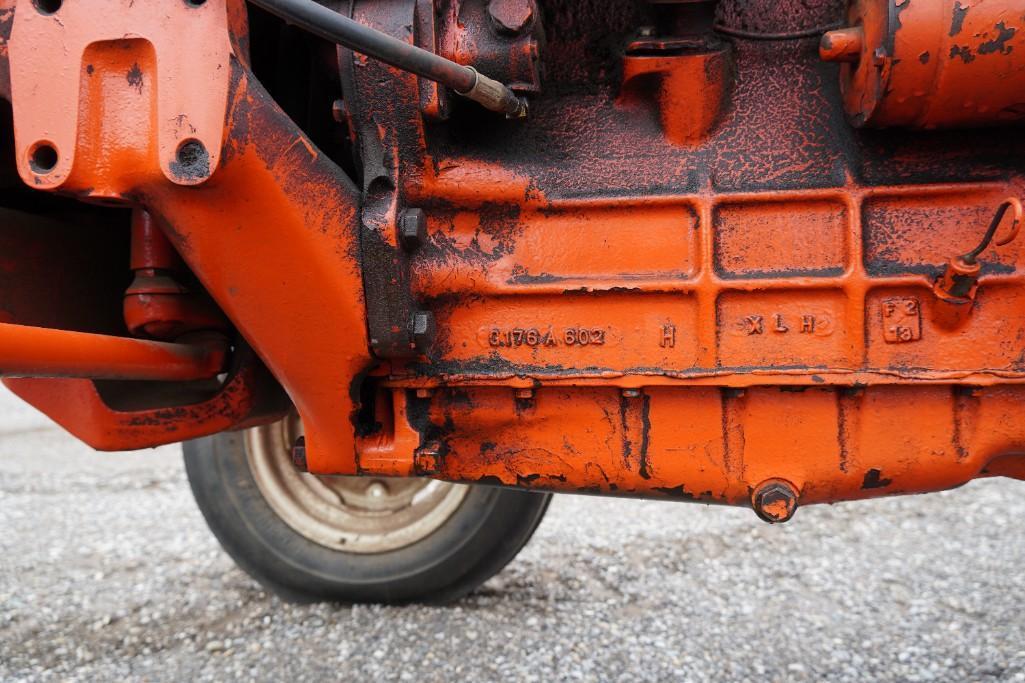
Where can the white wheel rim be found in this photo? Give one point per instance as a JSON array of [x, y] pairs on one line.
[[363, 515]]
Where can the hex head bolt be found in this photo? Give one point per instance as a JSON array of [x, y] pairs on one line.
[[338, 111], [511, 16], [427, 459], [775, 501], [412, 229], [299, 455], [421, 329]]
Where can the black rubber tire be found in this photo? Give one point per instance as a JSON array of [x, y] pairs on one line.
[[490, 526]]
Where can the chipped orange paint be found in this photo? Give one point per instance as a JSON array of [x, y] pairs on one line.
[[706, 292], [725, 291], [717, 446], [700, 342], [273, 204], [931, 64]]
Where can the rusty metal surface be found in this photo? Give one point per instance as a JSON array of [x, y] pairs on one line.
[[561, 253], [722, 445], [277, 207], [934, 64], [685, 275], [778, 17], [720, 295], [390, 305], [503, 38]]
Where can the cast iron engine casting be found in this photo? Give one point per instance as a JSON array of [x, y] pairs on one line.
[[752, 252]]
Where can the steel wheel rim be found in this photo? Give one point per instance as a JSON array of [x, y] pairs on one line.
[[364, 515]]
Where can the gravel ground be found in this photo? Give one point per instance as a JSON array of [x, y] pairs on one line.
[[107, 572]]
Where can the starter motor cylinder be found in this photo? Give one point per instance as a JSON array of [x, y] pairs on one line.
[[931, 63]]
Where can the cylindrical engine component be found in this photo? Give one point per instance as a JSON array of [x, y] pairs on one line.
[[933, 64], [157, 304]]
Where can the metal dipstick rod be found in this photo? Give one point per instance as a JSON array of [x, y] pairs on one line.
[[331, 25]]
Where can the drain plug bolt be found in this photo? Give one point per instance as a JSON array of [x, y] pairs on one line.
[[775, 501]]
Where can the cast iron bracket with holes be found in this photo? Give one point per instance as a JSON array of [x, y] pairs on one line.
[[106, 42]]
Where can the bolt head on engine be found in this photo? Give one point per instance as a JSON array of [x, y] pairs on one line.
[[511, 16], [775, 501], [412, 229]]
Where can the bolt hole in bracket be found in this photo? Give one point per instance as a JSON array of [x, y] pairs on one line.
[[43, 158], [171, 80], [47, 6], [113, 50]]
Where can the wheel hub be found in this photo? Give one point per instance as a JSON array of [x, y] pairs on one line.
[[351, 514]]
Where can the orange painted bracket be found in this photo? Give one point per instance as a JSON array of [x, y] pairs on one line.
[[248, 397], [692, 88], [267, 223], [85, 52], [390, 451], [274, 238], [41, 352]]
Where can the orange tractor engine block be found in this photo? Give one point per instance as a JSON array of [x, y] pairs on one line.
[[749, 252]]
